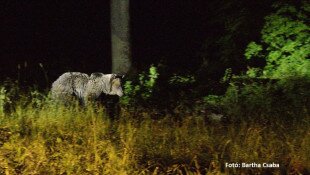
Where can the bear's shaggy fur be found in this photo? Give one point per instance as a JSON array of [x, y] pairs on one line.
[[85, 88]]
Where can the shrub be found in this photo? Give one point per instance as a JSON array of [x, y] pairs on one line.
[[179, 80], [284, 44], [3, 100], [140, 90]]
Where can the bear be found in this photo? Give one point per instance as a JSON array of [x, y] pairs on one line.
[[68, 86], [99, 83], [84, 87]]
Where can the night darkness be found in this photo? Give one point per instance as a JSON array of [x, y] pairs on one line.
[[154, 87], [62, 35], [75, 35]]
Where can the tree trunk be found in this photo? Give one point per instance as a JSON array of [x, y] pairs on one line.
[[120, 31]]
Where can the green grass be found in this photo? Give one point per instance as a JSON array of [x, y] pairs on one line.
[[41, 138]]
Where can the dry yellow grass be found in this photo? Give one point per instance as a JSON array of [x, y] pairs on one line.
[[53, 139]]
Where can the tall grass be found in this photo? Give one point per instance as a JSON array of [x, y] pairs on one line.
[[39, 137]]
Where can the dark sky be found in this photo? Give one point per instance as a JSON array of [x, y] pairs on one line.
[[168, 29], [73, 35]]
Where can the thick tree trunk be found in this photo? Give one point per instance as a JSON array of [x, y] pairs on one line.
[[120, 31]]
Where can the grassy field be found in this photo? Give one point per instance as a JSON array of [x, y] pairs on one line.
[[40, 138]]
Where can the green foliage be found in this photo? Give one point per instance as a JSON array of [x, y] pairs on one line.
[[9, 94], [213, 103], [153, 75], [265, 99], [3, 100], [227, 75], [37, 98], [254, 72], [285, 43], [248, 99], [212, 99], [253, 50], [182, 80], [259, 99], [142, 89]]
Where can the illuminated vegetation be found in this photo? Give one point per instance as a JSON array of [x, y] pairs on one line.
[[38, 137]]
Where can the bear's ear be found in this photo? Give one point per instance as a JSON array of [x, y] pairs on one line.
[[113, 76], [96, 75], [121, 76]]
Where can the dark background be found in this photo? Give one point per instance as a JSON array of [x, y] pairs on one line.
[[196, 37], [62, 35]]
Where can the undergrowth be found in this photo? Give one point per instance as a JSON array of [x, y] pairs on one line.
[[39, 137]]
